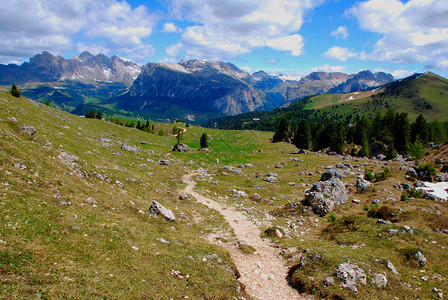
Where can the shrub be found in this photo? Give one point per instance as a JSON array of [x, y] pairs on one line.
[[331, 218], [368, 175], [15, 91]]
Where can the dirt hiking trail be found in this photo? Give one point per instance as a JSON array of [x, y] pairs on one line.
[[262, 273]]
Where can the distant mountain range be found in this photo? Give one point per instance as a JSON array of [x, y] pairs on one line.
[[425, 94], [195, 90]]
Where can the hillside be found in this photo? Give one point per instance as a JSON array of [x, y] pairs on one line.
[[425, 94], [75, 219]]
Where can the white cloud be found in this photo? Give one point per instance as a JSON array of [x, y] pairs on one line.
[[29, 26], [226, 29], [292, 43], [340, 33], [412, 32], [174, 50], [328, 68], [170, 28], [338, 53], [271, 62]]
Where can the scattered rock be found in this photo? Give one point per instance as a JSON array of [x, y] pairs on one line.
[[270, 179], [163, 241], [380, 280], [329, 281], [391, 267], [421, 258], [441, 177], [28, 129], [350, 275], [158, 208], [362, 185], [183, 196], [233, 170], [179, 147], [384, 222], [248, 165], [130, 148], [164, 162], [92, 201]]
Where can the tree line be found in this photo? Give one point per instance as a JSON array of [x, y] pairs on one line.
[[389, 134]]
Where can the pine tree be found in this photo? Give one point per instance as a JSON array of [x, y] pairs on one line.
[[302, 136], [420, 130], [99, 115], [282, 132], [203, 141], [15, 91]]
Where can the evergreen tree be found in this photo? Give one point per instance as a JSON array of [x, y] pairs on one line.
[[90, 114], [15, 91], [401, 134], [47, 103], [99, 115], [437, 132], [203, 141], [420, 130], [282, 132], [302, 136]]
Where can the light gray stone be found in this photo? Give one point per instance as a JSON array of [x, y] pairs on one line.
[[179, 147], [362, 185], [130, 148], [350, 275], [158, 208], [380, 280]]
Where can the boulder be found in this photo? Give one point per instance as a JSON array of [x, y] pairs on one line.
[[420, 258], [28, 129], [349, 275], [233, 170], [159, 209], [270, 179], [92, 201], [323, 196], [130, 148], [179, 147], [332, 173], [362, 185], [391, 267], [164, 162], [441, 177], [380, 280]]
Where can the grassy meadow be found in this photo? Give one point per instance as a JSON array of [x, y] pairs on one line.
[[54, 244]]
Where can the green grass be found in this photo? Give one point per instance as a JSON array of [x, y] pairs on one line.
[[56, 245]]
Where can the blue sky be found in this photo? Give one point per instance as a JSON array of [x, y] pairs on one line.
[[292, 37]]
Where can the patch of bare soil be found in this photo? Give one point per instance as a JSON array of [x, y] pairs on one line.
[[262, 273]]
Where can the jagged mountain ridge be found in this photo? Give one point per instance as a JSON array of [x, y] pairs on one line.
[[196, 90], [84, 68], [203, 88]]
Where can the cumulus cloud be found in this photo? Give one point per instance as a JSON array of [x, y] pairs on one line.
[[170, 28], [28, 27], [412, 32], [226, 29], [339, 53], [340, 33]]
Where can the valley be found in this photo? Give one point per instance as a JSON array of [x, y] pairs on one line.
[[76, 218]]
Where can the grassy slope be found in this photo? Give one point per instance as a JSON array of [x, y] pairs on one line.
[[427, 95], [63, 251], [55, 244]]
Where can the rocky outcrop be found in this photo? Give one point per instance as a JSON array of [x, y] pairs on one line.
[[325, 193], [362, 185], [350, 275], [84, 68]]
